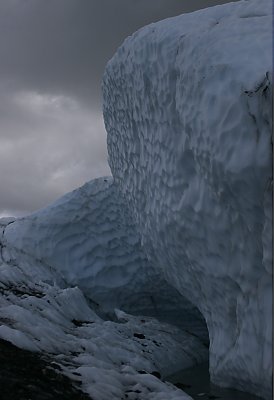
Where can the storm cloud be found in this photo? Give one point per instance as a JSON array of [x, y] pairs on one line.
[[53, 53]]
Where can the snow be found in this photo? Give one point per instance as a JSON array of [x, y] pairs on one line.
[[40, 312], [187, 108], [64, 271], [89, 237]]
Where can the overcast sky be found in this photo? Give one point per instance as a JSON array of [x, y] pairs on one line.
[[53, 54]]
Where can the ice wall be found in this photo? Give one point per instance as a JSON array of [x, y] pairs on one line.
[[89, 237], [187, 107], [118, 359]]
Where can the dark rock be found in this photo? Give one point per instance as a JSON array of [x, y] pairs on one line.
[[78, 322], [139, 335], [157, 374], [182, 385], [25, 375]]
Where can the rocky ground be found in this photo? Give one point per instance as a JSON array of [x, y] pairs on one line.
[[25, 375]]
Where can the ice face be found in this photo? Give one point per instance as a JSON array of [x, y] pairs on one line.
[[89, 237], [187, 107]]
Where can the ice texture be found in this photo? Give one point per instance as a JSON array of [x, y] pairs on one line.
[[89, 237], [187, 108]]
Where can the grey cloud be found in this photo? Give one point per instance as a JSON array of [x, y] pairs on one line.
[[37, 166], [62, 46], [53, 54]]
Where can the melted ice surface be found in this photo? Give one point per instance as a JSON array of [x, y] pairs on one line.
[[187, 107]]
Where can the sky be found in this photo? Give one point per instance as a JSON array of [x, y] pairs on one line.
[[53, 54]]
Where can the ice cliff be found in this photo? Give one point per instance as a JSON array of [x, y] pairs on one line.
[[187, 108], [187, 215]]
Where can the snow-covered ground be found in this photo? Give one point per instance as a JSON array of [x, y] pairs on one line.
[[187, 107], [88, 235], [120, 359]]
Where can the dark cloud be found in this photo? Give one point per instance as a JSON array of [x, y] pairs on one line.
[[53, 54], [64, 45], [53, 146]]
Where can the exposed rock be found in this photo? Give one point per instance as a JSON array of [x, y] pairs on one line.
[[26, 375]]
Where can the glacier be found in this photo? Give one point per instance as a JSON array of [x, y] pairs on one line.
[[187, 108], [122, 280], [89, 237]]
